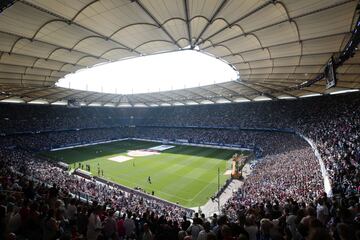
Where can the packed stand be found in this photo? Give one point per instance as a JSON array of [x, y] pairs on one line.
[[331, 121], [38, 202], [32, 210], [293, 174], [282, 198], [335, 129]]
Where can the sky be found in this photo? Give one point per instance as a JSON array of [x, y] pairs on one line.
[[161, 72]]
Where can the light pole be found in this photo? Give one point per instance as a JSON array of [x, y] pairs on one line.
[[219, 190]]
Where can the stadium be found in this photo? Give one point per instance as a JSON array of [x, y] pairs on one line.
[[272, 154]]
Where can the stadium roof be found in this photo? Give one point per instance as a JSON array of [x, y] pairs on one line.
[[275, 45]]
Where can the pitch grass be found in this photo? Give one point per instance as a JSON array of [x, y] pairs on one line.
[[184, 174]]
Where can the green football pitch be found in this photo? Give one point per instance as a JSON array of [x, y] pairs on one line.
[[183, 174]]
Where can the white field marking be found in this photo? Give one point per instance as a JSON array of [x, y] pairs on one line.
[[120, 159], [162, 147], [149, 152], [200, 192], [141, 153], [228, 172]]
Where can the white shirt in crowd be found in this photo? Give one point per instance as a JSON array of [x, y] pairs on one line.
[[94, 227]]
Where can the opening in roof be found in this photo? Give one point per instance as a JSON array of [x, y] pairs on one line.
[[160, 72]]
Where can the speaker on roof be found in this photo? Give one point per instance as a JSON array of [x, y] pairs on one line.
[[73, 103], [330, 74]]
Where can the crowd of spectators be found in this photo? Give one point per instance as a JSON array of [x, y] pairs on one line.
[[34, 118], [49, 140], [266, 142], [36, 203], [282, 198], [33, 190], [280, 114], [263, 142], [335, 129], [293, 174], [331, 121]]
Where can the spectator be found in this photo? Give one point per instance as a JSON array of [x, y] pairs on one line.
[[110, 226], [94, 226]]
